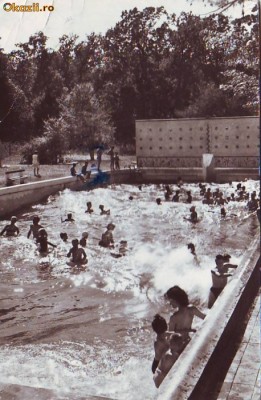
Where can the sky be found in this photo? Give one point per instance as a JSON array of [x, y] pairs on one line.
[[79, 17]]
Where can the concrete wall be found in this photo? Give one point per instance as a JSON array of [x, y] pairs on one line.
[[181, 142], [15, 197]]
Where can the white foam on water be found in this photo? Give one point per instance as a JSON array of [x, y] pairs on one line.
[[129, 289]]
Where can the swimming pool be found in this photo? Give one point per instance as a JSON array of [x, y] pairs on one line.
[[89, 333]]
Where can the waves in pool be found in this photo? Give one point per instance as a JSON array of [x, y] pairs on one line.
[[80, 333]]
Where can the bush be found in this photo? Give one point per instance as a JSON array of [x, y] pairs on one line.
[[47, 147]]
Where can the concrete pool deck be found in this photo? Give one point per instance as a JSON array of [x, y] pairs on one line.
[[242, 381]]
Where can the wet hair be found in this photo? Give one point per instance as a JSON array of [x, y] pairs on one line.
[[177, 294], [159, 324], [123, 242], [110, 226], [36, 219], [89, 203], [238, 185], [131, 198], [69, 215], [75, 241], [191, 246], [192, 208], [158, 200], [101, 206], [85, 234], [226, 257], [63, 236]]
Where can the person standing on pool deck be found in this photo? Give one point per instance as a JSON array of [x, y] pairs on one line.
[[36, 163], [111, 154]]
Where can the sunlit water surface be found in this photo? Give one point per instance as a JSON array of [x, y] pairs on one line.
[[89, 333]]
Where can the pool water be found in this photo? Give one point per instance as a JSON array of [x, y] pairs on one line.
[[89, 332]]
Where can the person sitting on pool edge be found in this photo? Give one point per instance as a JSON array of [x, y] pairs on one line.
[[34, 228], [107, 237], [104, 212], [11, 229], [78, 254], [42, 241]]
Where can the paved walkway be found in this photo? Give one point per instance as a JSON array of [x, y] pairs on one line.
[[242, 381]]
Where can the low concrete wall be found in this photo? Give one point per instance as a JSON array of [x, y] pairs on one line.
[[192, 376], [16, 197]]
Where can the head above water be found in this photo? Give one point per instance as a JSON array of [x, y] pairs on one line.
[[85, 235], [89, 204], [63, 236], [191, 247], [75, 242], [101, 206], [159, 324], [13, 219], [36, 219], [110, 226], [178, 295], [158, 201]]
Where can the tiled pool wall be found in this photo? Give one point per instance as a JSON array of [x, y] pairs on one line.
[[180, 143]]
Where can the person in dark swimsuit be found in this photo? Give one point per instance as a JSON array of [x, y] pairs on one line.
[[11, 229]]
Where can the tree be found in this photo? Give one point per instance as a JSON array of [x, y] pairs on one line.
[[83, 122]]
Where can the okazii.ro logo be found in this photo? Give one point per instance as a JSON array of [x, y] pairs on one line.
[[8, 7]]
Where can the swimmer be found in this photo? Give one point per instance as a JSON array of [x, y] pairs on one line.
[[161, 344], [193, 214], [34, 228], [182, 318], [69, 218], [192, 248], [42, 241], [131, 198], [189, 198], [78, 254], [140, 187], [11, 229], [158, 201], [107, 237], [83, 240], [175, 198], [220, 200], [179, 181], [176, 346], [64, 236], [223, 212], [226, 261], [89, 207], [216, 193], [219, 280], [252, 205], [104, 212]]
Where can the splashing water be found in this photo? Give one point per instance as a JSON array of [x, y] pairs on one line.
[[89, 333]]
